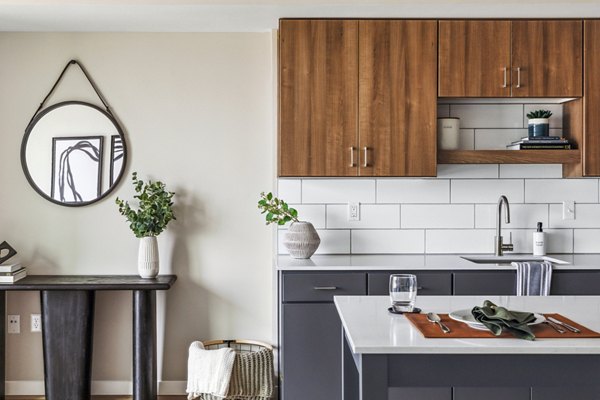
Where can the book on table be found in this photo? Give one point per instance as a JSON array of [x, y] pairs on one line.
[[10, 267], [12, 277]]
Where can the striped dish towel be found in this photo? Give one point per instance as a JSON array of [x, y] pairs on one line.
[[533, 278], [251, 378]]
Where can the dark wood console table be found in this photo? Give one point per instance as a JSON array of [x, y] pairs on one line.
[[67, 325]]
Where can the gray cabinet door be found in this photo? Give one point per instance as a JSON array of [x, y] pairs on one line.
[[428, 283], [322, 286], [566, 393], [419, 393], [492, 393], [583, 283], [485, 283], [311, 358]]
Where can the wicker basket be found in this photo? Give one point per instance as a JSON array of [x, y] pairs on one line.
[[241, 347]]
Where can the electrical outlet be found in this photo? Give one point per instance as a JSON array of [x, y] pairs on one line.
[[568, 210], [36, 323], [14, 324], [353, 211]]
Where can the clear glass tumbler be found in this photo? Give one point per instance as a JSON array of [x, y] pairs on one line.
[[403, 292]]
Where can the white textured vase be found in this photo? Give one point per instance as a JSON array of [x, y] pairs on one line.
[[301, 239], [148, 257]]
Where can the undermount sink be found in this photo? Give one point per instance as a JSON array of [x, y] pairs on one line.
[[507, 259]]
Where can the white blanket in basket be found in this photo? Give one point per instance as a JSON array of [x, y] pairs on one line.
[[209, 371]]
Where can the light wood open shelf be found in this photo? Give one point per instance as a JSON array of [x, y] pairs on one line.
[[509, 156]]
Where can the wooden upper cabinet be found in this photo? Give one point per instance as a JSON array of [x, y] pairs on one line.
[[397, 101], [591, 101], [318, 103], [519, 58], [474, 58], [549, 56]]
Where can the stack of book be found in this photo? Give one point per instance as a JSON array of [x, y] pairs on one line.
[[10, 273], [540, 143]]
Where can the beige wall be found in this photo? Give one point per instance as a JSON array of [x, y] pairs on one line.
[[197, 110]]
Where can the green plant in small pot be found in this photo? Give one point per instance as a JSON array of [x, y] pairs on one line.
[[539, 123], [301, 239], [154, 212]]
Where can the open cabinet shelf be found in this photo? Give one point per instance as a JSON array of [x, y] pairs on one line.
[[509, 156]]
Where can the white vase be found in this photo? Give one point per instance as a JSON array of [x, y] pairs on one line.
[[148, 257], [301, 239]]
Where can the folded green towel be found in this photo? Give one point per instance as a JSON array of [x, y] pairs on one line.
[[498, 319]]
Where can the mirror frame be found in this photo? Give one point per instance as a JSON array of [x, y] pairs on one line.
[[32, 124]]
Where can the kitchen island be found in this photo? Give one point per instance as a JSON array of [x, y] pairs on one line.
[[386, 357]]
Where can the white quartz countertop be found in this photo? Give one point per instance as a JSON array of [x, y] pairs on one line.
[[419, 262], [371, 329]]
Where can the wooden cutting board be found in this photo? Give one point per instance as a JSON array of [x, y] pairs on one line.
[[459, 330]]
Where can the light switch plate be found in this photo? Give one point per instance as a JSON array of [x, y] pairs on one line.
[[36, 323], [568, 210], [353, 211], [14, 324]]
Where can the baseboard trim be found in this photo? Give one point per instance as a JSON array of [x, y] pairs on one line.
[[99, 388]]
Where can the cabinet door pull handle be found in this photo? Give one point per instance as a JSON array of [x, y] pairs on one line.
[[352, 163], [518, 77], [505, 84], [325, 288], [366, 150], [419, 287]]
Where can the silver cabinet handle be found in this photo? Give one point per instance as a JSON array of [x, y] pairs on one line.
[[518, 77], [366, 162], [325, 288], [419, 287], [505, 84], [352, 163]]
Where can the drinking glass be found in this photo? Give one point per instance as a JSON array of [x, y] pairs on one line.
[[403, 292]]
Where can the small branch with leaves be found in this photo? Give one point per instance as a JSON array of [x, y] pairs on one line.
[[278, 212]]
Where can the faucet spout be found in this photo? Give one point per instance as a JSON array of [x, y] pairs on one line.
[[499, 246]]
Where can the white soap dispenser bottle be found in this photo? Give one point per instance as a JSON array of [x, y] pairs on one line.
[[539, 244]]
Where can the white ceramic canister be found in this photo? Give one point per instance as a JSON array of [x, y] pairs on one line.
[[448, 133]]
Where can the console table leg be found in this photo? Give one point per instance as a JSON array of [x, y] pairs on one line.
[[68, 327], [2, 344], [144, 345]]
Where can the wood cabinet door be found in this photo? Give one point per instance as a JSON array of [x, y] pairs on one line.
[[547, 58], [474, 59], [397, 97], [318, 89], [591, 101]]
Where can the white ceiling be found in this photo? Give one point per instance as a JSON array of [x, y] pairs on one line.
[[254, 15]]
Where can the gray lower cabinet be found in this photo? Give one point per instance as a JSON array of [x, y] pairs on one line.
[[499, 393], [562, 393], [419, 393], [428, 283], [583, 283], [473, 283]]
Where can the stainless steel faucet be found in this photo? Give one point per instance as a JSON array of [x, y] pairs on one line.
[[499, 246]]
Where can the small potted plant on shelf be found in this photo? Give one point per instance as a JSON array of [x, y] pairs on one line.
[[155, 211], [301, 238], [539, 124]]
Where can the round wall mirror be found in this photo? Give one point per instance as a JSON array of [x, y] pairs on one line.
[[73, 153]]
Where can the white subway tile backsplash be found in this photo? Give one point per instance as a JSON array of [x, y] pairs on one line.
[[521, 216], [379, 216], [586, 216], [558, 240], [531, 171], [556, 119], [466, 139], [437, 216], [497, 139], [332, 242], [388, 241], [488, 115], [559, 190], [467, 170], [413, 191], [459, 241], [338, 190], [522, 239], [313, 213], [587, 240], [290, 190], [486, 190]]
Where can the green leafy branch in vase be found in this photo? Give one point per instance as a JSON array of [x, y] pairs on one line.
[[278, 212]]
